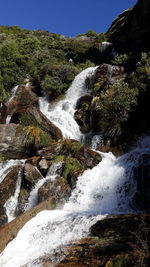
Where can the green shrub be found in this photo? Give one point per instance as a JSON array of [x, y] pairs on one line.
[[114, 107]]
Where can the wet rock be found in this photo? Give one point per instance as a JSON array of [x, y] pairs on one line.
[[109, 73], [23, 98], [87, 157], [57, 188], [7, 189], [142, 177], [113, 241], [3, 112], [32, 116], [116, 150], [10, 230], [32, 174], [82, 100], [43, 166]]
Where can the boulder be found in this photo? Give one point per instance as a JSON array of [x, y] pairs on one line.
[[13, 142], [57, 188], [10, 230], [31, 174], [7, 189], [130, 31], [32, 116], [23, 97], [87, 157]]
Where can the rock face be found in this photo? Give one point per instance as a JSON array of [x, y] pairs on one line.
[[13, 142], [57, 188], [7, 189], [130, 31], [31, 116], [23, 98], [109, 73], [142, 177]]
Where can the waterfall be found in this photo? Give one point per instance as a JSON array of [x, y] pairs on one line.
[[13, 94], [63, 113], [108, 188], [99, 191], [6, 165], [32, 201]]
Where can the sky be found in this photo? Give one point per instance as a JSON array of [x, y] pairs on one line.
[[66, 17]]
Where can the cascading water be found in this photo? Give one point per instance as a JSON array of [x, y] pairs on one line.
[[6, 165], [32, 201], [62, 114], [99, 191], [11, 203], [13, 94]]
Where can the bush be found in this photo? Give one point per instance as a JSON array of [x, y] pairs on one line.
[[114, 107]]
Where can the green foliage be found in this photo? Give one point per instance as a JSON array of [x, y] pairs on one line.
[[37, 136], [114, 107], [91, 33], [119, 261], [71, 164], [120, 59], [2, 158], [58, 158]]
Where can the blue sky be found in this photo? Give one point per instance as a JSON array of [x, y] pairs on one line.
[[67, 17]]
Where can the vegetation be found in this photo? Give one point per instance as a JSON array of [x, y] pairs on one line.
[[38, 136], [50, 60]]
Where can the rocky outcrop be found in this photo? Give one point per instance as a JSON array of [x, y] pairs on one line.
[[14, 143], [109, 73], [131, 30], [57, 188], [31, 116], [121, 240], [23, 98]]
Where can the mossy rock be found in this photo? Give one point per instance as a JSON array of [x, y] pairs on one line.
[[72, 169], [58, 158], [38, 136], [119, 261]]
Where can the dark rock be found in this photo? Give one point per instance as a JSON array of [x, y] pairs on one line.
[[109, 73], [82, 100], [24, 98], [131, 30], [116, 150], [7, 189], [87, 157], [31, 116], [57, 188], [32, 174], [142, 177], [121, 240], [3, 113]]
